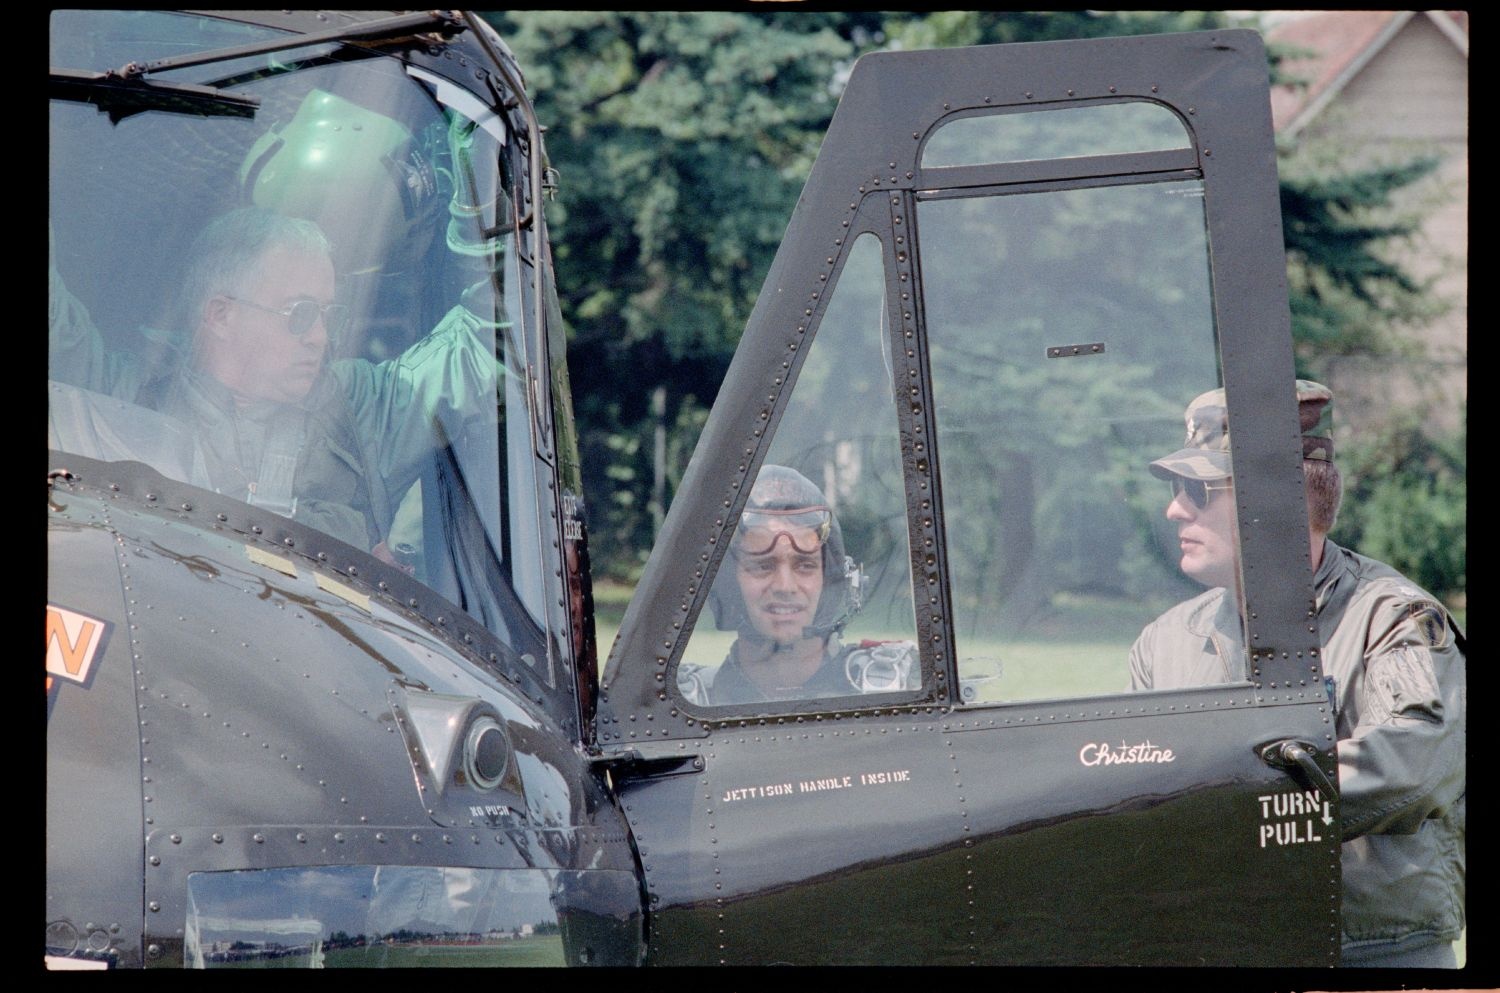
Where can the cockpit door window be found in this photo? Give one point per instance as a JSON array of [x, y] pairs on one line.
[[813, 600], [1067, 331], [1036, 134]]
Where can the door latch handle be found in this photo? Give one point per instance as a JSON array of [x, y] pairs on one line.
[[1290, 754], [631, 764]]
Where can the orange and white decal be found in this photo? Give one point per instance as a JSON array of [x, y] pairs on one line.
[[74, 643]]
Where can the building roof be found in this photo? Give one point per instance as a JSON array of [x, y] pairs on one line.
[[1344, 42]]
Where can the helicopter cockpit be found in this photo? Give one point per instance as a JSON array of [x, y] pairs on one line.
[[294, 276]]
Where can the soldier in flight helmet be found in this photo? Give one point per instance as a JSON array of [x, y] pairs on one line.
[[787, 589]]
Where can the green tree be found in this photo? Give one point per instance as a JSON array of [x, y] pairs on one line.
[[948, 28], [1404, 499], [683, 140], [1344, 226], [1405, 503], [1346, 297]]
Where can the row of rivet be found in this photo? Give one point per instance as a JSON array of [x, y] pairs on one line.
[[916, 423], [1084, 715], [142, 720], [1031, 95], [480, 73], [226, 725], [341, 836], [98, 940], [809, 736], [713, 842], [968, 854], [321, 558], [1070, 92], [1261, 656], [653, 898], [836, 715]]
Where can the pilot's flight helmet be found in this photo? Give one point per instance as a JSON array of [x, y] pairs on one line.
[[358, 174], [782, 495]]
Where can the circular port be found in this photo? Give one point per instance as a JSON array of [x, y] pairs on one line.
[[486, 753]]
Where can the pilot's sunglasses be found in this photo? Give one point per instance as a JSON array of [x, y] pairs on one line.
[[1197, 490], [805, 528], [303, 314]]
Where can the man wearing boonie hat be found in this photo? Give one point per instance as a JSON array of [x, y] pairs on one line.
[[1395, 661]]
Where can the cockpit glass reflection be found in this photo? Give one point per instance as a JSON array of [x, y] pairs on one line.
[[303, 293], [372, 917]]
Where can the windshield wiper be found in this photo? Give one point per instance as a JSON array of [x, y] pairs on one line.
[[386, 27], [125, 91], [121, 98]]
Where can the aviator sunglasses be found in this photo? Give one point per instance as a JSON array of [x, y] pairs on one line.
[[301, 315], [757, 536], [1198, 492]]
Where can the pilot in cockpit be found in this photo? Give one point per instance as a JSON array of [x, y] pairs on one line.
[[252, 398]]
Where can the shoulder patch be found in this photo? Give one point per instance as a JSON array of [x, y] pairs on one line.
[[1432, 623]]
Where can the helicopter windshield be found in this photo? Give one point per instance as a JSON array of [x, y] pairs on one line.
[[305, 297]]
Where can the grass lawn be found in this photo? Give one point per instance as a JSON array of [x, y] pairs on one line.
[[539, 950]]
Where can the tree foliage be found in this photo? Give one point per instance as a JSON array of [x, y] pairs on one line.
[[1405, 503], [1346, 296], [683, 140]]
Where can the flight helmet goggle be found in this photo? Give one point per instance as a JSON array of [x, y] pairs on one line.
[[805, 529]]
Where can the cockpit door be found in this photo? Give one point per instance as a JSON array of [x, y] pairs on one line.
[[1013, 275]]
